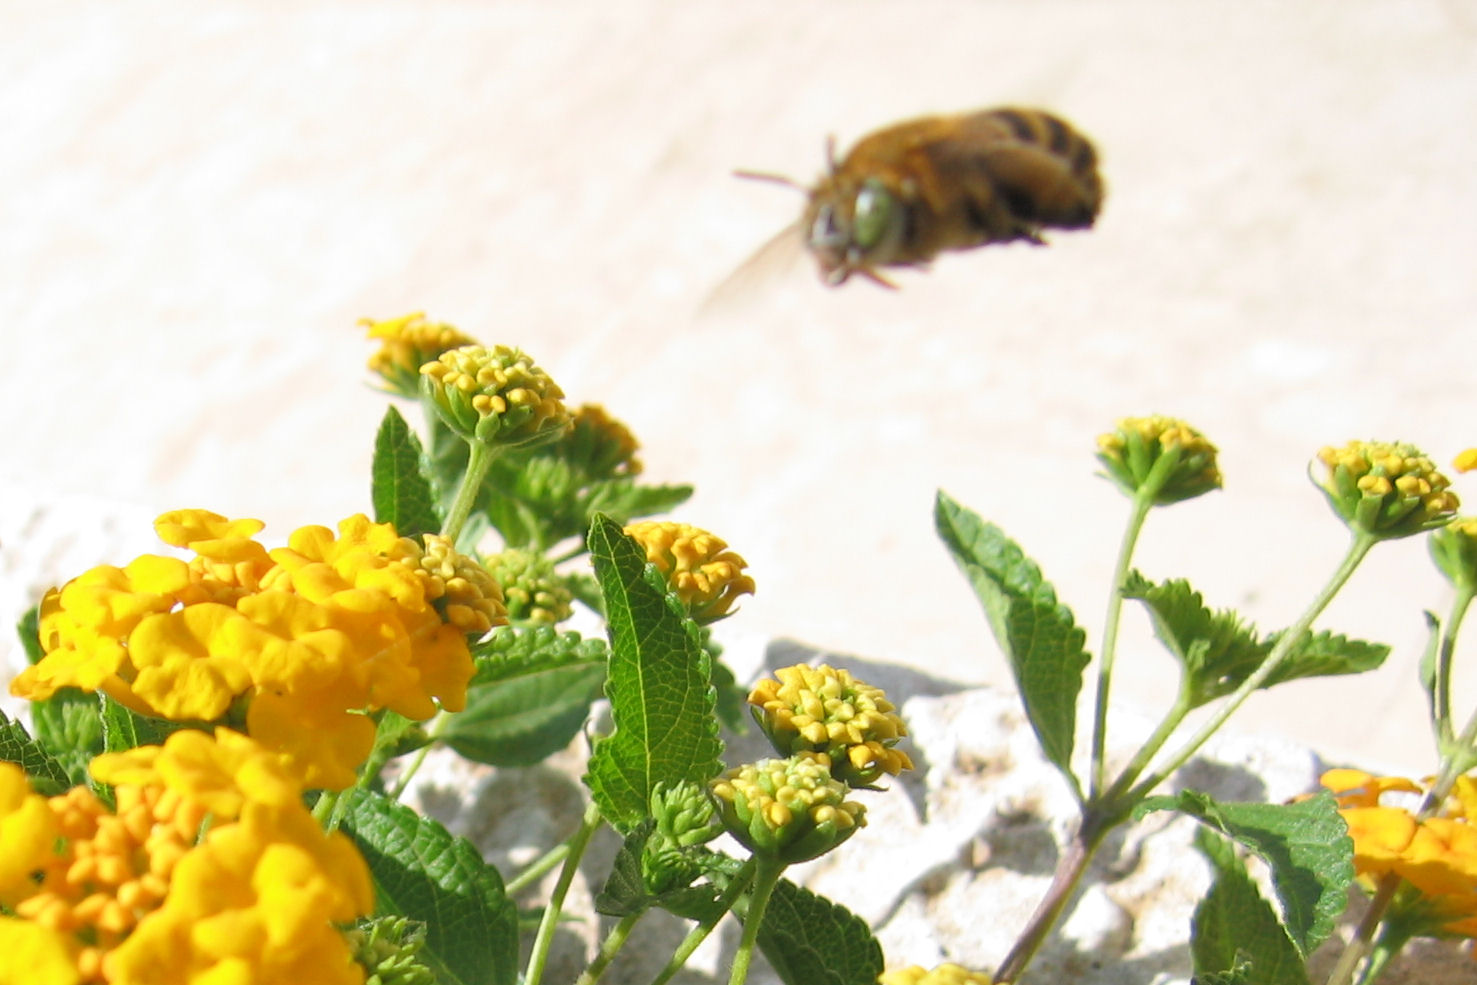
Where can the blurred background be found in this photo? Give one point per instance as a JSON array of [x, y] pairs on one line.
[[198, 203]]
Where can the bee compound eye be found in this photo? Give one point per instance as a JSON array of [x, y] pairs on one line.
[[873, 214]]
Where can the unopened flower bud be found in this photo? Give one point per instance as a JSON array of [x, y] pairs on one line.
[[1163, 455], [790, 810], [1454, 549], [1386, 490], [495, 396], [532, 590]]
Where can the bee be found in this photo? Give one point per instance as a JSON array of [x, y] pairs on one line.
[[908, 192]]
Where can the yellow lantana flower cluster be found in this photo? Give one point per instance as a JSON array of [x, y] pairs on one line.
[[136, 895], [706, 576], [406, 344], [1437, 856], [308, 637], [944, 974], [825, 710]]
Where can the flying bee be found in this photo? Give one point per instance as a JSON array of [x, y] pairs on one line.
[[910, 191]]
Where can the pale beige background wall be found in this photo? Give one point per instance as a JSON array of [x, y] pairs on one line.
[[197, 202]]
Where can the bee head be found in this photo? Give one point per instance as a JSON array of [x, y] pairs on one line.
[[852, 227]]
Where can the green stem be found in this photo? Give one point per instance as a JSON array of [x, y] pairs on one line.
[[323, 807], [1359, 945], [1109, 800], [432, 731], [1290, 637], [700, 933], [609, 948], [479, 461], [1142, 503], [1069, 872], [536, 871], [578, 842], [766, 876], [1441, 700]]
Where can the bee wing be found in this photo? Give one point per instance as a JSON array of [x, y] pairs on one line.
[[776, 257]]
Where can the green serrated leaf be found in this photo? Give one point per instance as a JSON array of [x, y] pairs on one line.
[[124, 729], [1305, 844], [401, 491], [1327, 655], [67, 726], [524, 719], [28, 628], [810, 940], [1235, 936], [1216, 649], [659, 685], [47, 774], [586, 590], [1219, 652], [539, 497], [624, 891], [423, 872], [509, 652], [1039, 636]]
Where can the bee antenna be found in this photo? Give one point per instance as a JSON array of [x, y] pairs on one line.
[[777, 179]]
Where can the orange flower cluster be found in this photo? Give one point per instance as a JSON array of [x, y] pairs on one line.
[[138, 896], [1437, 855], [308, 638]]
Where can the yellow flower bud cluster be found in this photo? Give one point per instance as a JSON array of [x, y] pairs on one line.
[[787, 809], [604, 446], [1161, 454], [310, 636], [706, 576], [406, 344], [1436, 856], [944, 974], [1386, 489], [463, 591], [495, 396], [827, 711], [137, 894]]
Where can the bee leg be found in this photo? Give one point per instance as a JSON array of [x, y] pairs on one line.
[[876, 278]]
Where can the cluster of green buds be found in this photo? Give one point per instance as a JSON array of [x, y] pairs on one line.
[[789, 810], [388, 948], [463, 591], [827, 711], [944, 974], [685, 820], [495, 396], [406, 344], [534, 593], [705, 575], [1162, 457], [1386, 490]]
